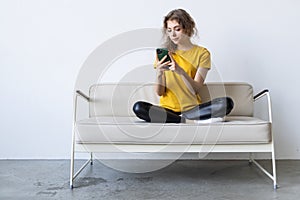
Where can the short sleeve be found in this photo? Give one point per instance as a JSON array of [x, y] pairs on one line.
[[205, 60]]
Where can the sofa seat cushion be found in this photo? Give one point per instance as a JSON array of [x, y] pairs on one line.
[[131, 130]]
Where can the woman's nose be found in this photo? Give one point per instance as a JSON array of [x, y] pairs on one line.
[[173, 33]]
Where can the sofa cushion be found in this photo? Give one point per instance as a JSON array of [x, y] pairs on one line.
[[131, 130]]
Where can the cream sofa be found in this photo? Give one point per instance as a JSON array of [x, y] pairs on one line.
[[112, 126]]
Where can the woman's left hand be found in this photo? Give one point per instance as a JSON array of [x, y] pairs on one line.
[[174, 66]]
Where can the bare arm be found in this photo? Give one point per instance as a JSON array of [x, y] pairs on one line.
[[195, 84], [160, 76], [160, 83]]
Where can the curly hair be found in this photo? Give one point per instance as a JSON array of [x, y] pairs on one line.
[[184, 20]]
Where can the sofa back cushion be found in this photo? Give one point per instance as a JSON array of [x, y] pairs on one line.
[[117, 99]]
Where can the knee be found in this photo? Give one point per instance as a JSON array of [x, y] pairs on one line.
[[137, 107], [140, 107], [229, 105], [225, 104]]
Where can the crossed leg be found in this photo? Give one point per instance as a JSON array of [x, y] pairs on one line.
[[218, 107]]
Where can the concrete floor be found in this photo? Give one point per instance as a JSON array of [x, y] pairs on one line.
[[49, 179]]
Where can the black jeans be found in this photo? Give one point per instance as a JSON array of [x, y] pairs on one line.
[[218, 107]]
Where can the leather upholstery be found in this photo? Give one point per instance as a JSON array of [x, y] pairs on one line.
[[118, 99], [113, 121], [131, 130]]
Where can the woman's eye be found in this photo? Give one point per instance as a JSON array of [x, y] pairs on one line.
[[178, 29]]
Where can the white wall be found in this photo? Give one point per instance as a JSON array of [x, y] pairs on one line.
[[43, 45]]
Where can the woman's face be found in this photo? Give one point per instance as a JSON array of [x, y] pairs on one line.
[[175, 32]]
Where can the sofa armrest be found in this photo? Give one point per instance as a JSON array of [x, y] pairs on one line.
[[260, 94], [81, 94], [78, 93], [265, 92]]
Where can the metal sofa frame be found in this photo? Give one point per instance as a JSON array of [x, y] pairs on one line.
[[244, 148]]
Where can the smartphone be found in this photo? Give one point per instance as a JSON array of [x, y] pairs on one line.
[[162, 52]]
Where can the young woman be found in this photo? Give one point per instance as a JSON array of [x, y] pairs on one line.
[[180, 79]]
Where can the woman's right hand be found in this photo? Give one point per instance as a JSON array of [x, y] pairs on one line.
[[162, 66]]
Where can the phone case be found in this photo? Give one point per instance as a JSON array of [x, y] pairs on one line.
[[161, 52]]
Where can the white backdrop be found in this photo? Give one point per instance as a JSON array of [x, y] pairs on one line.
[[43, 45]]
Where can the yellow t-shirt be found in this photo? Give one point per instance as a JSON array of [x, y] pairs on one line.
[[178, 97]]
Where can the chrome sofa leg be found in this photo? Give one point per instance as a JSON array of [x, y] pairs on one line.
[[72, 170], [91, 158]]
